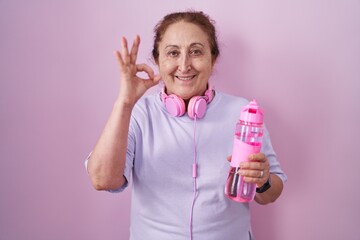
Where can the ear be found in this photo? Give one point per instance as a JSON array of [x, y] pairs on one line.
[[213, 61], [154, 61]]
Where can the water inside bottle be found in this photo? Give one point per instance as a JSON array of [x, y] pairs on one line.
[[237, 189]]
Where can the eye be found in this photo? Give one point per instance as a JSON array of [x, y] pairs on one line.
[[173, 53], [196, 52]]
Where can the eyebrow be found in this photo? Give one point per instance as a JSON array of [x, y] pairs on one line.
[[191, 45]]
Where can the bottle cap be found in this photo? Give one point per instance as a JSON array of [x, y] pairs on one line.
[[252, 113]]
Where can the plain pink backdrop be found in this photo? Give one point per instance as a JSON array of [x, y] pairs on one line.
[[59, 79]]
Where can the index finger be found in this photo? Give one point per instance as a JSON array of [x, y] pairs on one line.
[[259, 157], [147, 69]]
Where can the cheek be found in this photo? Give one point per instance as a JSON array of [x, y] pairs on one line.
[[167, 67], [204, 66]]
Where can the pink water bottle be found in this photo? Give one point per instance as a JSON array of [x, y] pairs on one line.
[[248, 139]]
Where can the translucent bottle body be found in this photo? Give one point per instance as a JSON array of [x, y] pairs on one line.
[[248, 139]]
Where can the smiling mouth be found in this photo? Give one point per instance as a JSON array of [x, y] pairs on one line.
[[185, 78]]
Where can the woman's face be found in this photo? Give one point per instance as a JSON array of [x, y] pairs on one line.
[[185, 60]]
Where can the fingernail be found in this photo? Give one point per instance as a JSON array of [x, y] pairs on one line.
[[240, 172]]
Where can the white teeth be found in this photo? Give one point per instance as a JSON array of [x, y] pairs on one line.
[[185, 78]]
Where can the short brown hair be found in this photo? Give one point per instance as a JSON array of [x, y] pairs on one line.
[[198, 18]]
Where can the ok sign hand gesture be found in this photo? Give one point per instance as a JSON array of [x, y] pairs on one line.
[[132, 87]]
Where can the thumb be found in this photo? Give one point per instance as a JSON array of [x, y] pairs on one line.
[[157, 78], [152, 81]]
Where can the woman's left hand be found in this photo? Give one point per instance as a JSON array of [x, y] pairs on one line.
[[256, 170]]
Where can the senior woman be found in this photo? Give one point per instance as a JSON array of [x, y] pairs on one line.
[[173, 144]]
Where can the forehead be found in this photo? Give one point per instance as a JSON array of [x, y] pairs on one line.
[[184, 34]]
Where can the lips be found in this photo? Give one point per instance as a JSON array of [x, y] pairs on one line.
[[185, 78]]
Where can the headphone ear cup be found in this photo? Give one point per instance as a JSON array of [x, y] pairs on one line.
[[174, 105], [197, 107]]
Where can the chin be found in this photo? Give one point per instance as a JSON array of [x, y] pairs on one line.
[[184, 96], [187, 95], [184, 91]]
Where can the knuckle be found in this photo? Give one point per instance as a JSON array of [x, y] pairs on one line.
[[259, 165]]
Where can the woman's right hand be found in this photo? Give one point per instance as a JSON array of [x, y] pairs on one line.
[[132, 87]]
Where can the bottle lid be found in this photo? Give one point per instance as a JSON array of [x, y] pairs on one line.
[[252, 113]]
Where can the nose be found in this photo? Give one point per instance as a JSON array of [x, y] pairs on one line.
[[184, 64]]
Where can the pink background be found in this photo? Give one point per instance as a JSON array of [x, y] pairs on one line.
[[59, 78]]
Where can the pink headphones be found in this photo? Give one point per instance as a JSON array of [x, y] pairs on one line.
[[196, 107]]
